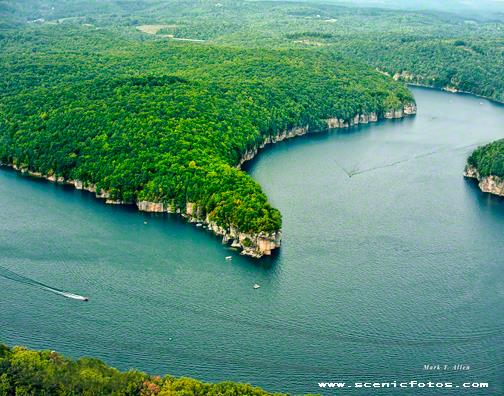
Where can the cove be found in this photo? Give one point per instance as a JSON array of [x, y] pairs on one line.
[[380, 274]]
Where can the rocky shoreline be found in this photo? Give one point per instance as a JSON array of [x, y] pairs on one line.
[[412, 80], [332, 123], [251, 244], [490, 184]]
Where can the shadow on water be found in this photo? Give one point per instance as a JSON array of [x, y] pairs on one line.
[[485, 200], [267, 263]]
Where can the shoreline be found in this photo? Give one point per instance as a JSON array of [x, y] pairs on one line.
[[332, 123], [490, 184], [406, 77], [255, 245], [453, 91]]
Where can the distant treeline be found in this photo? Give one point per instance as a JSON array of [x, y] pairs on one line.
[[309, 34], [464, 52]]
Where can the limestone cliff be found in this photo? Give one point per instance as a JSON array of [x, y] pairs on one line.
[[331, 123], [489, 184], [419, 80], [251, 244], [146, 206]]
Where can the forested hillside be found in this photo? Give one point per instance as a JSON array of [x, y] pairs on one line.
[[454, 51], [26, 372], [166, 122], [113, 94]]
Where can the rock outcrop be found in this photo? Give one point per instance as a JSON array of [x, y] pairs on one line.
[[286, 134], [489, 184], [146, 206], [332, 123], [400, 113], [403, 76], [335, 123], [252, 244]]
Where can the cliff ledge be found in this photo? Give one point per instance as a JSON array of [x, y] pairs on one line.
[[490, 184]]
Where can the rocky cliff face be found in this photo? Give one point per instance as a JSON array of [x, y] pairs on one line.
[[332, 123], [287, 134], [146, 206], [490, 184], [335, 123], [400, 113], [252, 244], [403, 76]]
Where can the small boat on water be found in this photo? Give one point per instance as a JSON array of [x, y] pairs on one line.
[[67, 294], [229, 257], [256, 286], [145, 222]]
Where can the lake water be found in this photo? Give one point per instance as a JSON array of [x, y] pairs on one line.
[[399, 266]]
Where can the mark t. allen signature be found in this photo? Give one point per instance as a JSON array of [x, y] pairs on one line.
[[446, 367]]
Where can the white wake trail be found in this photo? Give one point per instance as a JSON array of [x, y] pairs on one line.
[[67, 294]]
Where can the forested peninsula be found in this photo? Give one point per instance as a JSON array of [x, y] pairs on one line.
[[27, 372], [149, 104], [486, 164], [166, 125]]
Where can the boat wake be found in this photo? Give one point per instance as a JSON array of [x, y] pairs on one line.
[[68, 294], [13, 276], [355, 172]]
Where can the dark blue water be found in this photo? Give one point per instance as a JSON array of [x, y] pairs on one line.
[[399, 266]]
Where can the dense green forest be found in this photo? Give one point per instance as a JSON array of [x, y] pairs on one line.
[[462, 51], [489, 159], [24, 372], [165, 121], [104, 93]]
